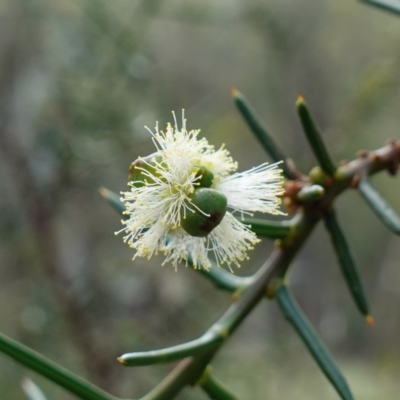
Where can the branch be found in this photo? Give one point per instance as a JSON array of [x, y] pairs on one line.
[[214, 389], [268, 280], [190, 369], [187, 372], [375, 161]]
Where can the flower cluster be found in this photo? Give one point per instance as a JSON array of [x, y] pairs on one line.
[[179, 199]]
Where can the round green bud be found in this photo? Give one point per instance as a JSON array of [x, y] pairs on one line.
[[310, 193], [318, 176], [211, 203], [206, 177], [146, 163]]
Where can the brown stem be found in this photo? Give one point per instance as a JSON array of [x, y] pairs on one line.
[[39, 214]]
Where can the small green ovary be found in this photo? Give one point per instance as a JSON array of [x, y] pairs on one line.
[[213, 207], [138, 167], [205, 177]]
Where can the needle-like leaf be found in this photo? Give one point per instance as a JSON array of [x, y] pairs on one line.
[[32, 390], [314, 137], [388, 5], [346, 262], [52, 371], [261, 133], [379, 206], [320, 353]]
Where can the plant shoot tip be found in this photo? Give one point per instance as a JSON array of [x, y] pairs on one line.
[[300, 98], [234, 91], [103, 191], [370, 320]]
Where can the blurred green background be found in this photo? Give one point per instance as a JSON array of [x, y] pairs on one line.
[[78, 81]]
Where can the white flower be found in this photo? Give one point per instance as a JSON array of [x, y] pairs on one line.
[[163, 199]]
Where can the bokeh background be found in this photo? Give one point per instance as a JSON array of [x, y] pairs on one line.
[[78, 81]]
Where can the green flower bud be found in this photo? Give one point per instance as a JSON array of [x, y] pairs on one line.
[[146, 163], [213, 206], [310, 193], [206, 177], [318, 176]]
